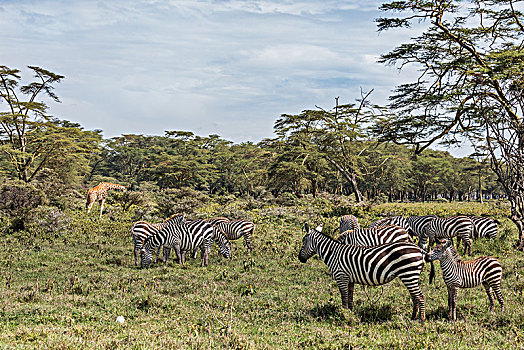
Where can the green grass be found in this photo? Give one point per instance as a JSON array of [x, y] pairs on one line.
[[67, 291]]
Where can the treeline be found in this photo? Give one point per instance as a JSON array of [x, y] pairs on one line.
[[216, 166], [336, 151]]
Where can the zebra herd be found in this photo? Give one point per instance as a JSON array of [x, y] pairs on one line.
[[386, 250], [187, 235]]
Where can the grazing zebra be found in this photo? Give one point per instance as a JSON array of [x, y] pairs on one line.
[[372, 266], [218, 236], [236, 229], [348, 222], [467, 274], [182, 238], [417, 223], [459, 226], [393, 220], [143, 229], [99, 193], [484, 226], [374, 236]]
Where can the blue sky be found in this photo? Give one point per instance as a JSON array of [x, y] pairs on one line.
[[225, 67]]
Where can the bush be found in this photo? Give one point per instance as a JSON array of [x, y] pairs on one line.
[[47, 220], [184, 200], [17, 200]]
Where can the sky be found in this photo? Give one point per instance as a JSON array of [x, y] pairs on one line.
[[225, 67]]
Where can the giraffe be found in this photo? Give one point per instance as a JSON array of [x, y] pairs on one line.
[[100, 193]]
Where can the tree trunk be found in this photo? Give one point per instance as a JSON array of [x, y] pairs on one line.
[[480, 186], [351, 177]]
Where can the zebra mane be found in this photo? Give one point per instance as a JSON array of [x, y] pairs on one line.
[[326, 236], [171, 217], [453, 253]]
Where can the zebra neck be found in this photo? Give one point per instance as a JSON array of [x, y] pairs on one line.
[[325, 246], [156, 241]]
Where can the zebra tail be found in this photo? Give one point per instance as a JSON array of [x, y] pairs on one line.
[[432, 269]]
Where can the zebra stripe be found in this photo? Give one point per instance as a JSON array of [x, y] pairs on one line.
[[182, 238], [372, 266], [143, 229], [236, 229], [394, 220], [214, 221], [218, 236], [467, 274], [417, 223], [348, 222], [456, 226], [374, 236], [484, 227]]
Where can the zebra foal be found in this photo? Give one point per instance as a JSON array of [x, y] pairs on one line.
[[467, 274], [370, 266]]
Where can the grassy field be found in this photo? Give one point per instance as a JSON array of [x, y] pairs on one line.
[[66, 291]]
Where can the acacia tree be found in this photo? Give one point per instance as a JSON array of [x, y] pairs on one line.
[[32, 139], [339, 136], [471, 60]]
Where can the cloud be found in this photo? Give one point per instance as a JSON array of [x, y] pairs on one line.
[[224, 67]]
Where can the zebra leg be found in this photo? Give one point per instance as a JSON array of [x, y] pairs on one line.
[[247, 238], [498, 294], [157, 253], [184, 253], [343, 286], [452, 295], [417, 297], [136, 251], [491, 298], [179, 255], [351, 288], [167, 251]]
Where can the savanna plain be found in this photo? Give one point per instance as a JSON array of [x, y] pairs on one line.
[[65, 290]]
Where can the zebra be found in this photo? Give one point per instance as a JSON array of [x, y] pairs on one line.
[[484, 226], [182, 238], [218, 236], [348, 222], [236, 229], [374, 236], [143, 229], [467, 274], [459, 226], [417, 223], [394, 220], [372, 266]]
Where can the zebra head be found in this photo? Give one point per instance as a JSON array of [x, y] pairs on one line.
[[223, 243], [308, 249], [146, 254], [440, 250]]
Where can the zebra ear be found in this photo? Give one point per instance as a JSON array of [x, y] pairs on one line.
[[319, 228], [306, 227]]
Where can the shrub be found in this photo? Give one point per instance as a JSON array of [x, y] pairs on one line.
[[17, 200], [172, 201]]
